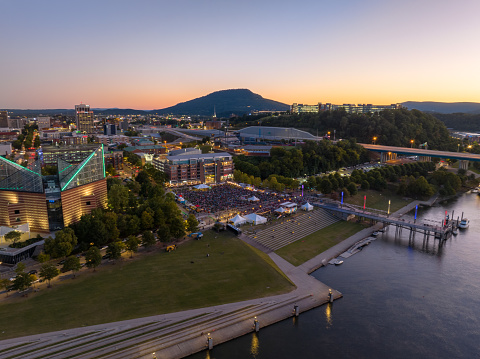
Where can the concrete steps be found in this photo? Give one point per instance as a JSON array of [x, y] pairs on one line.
[[291, 230]]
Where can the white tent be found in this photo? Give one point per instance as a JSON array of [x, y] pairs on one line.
[[280, 210], [237, 220], [307, 207], [201, 186], [253, 199], [255, 218]]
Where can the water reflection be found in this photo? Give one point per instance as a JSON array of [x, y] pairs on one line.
[[416, 241], [255, 345], [328, 314]]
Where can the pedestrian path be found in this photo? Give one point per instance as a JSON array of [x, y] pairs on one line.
[[291, 230]]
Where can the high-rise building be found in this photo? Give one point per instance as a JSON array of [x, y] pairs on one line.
[[43, 122], [109, 129], [84, 118], [349, 108], [4, 119]]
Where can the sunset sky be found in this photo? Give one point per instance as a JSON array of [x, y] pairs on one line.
[[153, 54]]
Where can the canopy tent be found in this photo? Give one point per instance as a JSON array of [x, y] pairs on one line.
[[237, 220], [255, 218], [280, 210], [253, 199], [201, 186], [307, 207]]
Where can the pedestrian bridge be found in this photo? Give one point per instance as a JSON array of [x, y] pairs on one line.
[[390, 153]]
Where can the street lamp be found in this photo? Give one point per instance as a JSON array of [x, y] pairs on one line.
[[458, 147], [374, 140], [411, 141]]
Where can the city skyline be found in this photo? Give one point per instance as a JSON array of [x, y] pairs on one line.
[[151, 55]]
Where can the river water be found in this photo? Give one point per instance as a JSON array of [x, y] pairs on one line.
[[402, 299]]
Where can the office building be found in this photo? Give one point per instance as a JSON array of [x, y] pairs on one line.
[[84, 118], [43, 123], [349, 108], [109, 129], [48, 203], [3, 119], [196, 168]]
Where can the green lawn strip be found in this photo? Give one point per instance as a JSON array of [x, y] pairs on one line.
[[157, 283], [308, 247], [379, 200], [269, 260]]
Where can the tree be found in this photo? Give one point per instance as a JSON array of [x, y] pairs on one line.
[[325, 186], [192, 223], [20, 268], [72, 263], [48, 271], [147, 219], [43, 257], [93, 257], [63, 243], [5, 284], [132, 244], [114, 250], [13, 237], [148, 239], [23, 281], [352, 188], [118, 198]]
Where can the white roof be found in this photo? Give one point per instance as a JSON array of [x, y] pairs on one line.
[[201, 186], [253, 198], [238, 219], [288, 204], [280, 210]]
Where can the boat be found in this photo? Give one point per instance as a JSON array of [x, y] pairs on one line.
[[464, 223], [375, 233], [337, 262], [476, 190], [454, 231]]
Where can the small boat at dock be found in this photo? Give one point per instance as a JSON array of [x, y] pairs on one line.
[[337, 262], [464, 223]]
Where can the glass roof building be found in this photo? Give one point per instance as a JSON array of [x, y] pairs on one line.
[[48, 203]]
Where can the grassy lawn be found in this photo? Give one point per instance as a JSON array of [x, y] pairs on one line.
[[379, 200], [156, 283], [308, 247]]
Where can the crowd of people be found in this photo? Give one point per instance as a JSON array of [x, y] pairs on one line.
[[227, 197]]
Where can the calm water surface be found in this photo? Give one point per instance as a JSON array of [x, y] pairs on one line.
[[402, 299]]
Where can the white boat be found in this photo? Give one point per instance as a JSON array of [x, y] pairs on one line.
[[374, 234], [337, 262], [454, 231], [476, 190], [464, 223]]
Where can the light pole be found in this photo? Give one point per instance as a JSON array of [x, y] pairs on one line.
[[411, 142], [458, 147], [374, 140]]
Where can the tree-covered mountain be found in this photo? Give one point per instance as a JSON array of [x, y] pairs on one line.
[[468, 122], [225, 102], [443, 107], [390, 127]]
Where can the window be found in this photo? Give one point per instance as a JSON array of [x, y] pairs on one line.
[[88, 203], [17, 211]]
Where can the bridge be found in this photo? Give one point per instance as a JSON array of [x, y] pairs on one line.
[[428, 227], [390, 153]]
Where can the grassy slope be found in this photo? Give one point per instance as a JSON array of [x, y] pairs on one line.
[[308, 247], [379, 200], [155, 284]]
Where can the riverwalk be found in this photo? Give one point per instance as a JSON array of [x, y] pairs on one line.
[[177, 335]]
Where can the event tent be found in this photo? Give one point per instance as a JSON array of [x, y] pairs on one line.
[[255, 218], [201, 186], [237, 220], [253, 199], [307, 207], [280, 210]]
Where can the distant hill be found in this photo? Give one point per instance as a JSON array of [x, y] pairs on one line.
[[226, 102], [444, 107]]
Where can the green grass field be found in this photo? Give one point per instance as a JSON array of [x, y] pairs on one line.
[[379, 200], [154, 284], [308, 247]]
